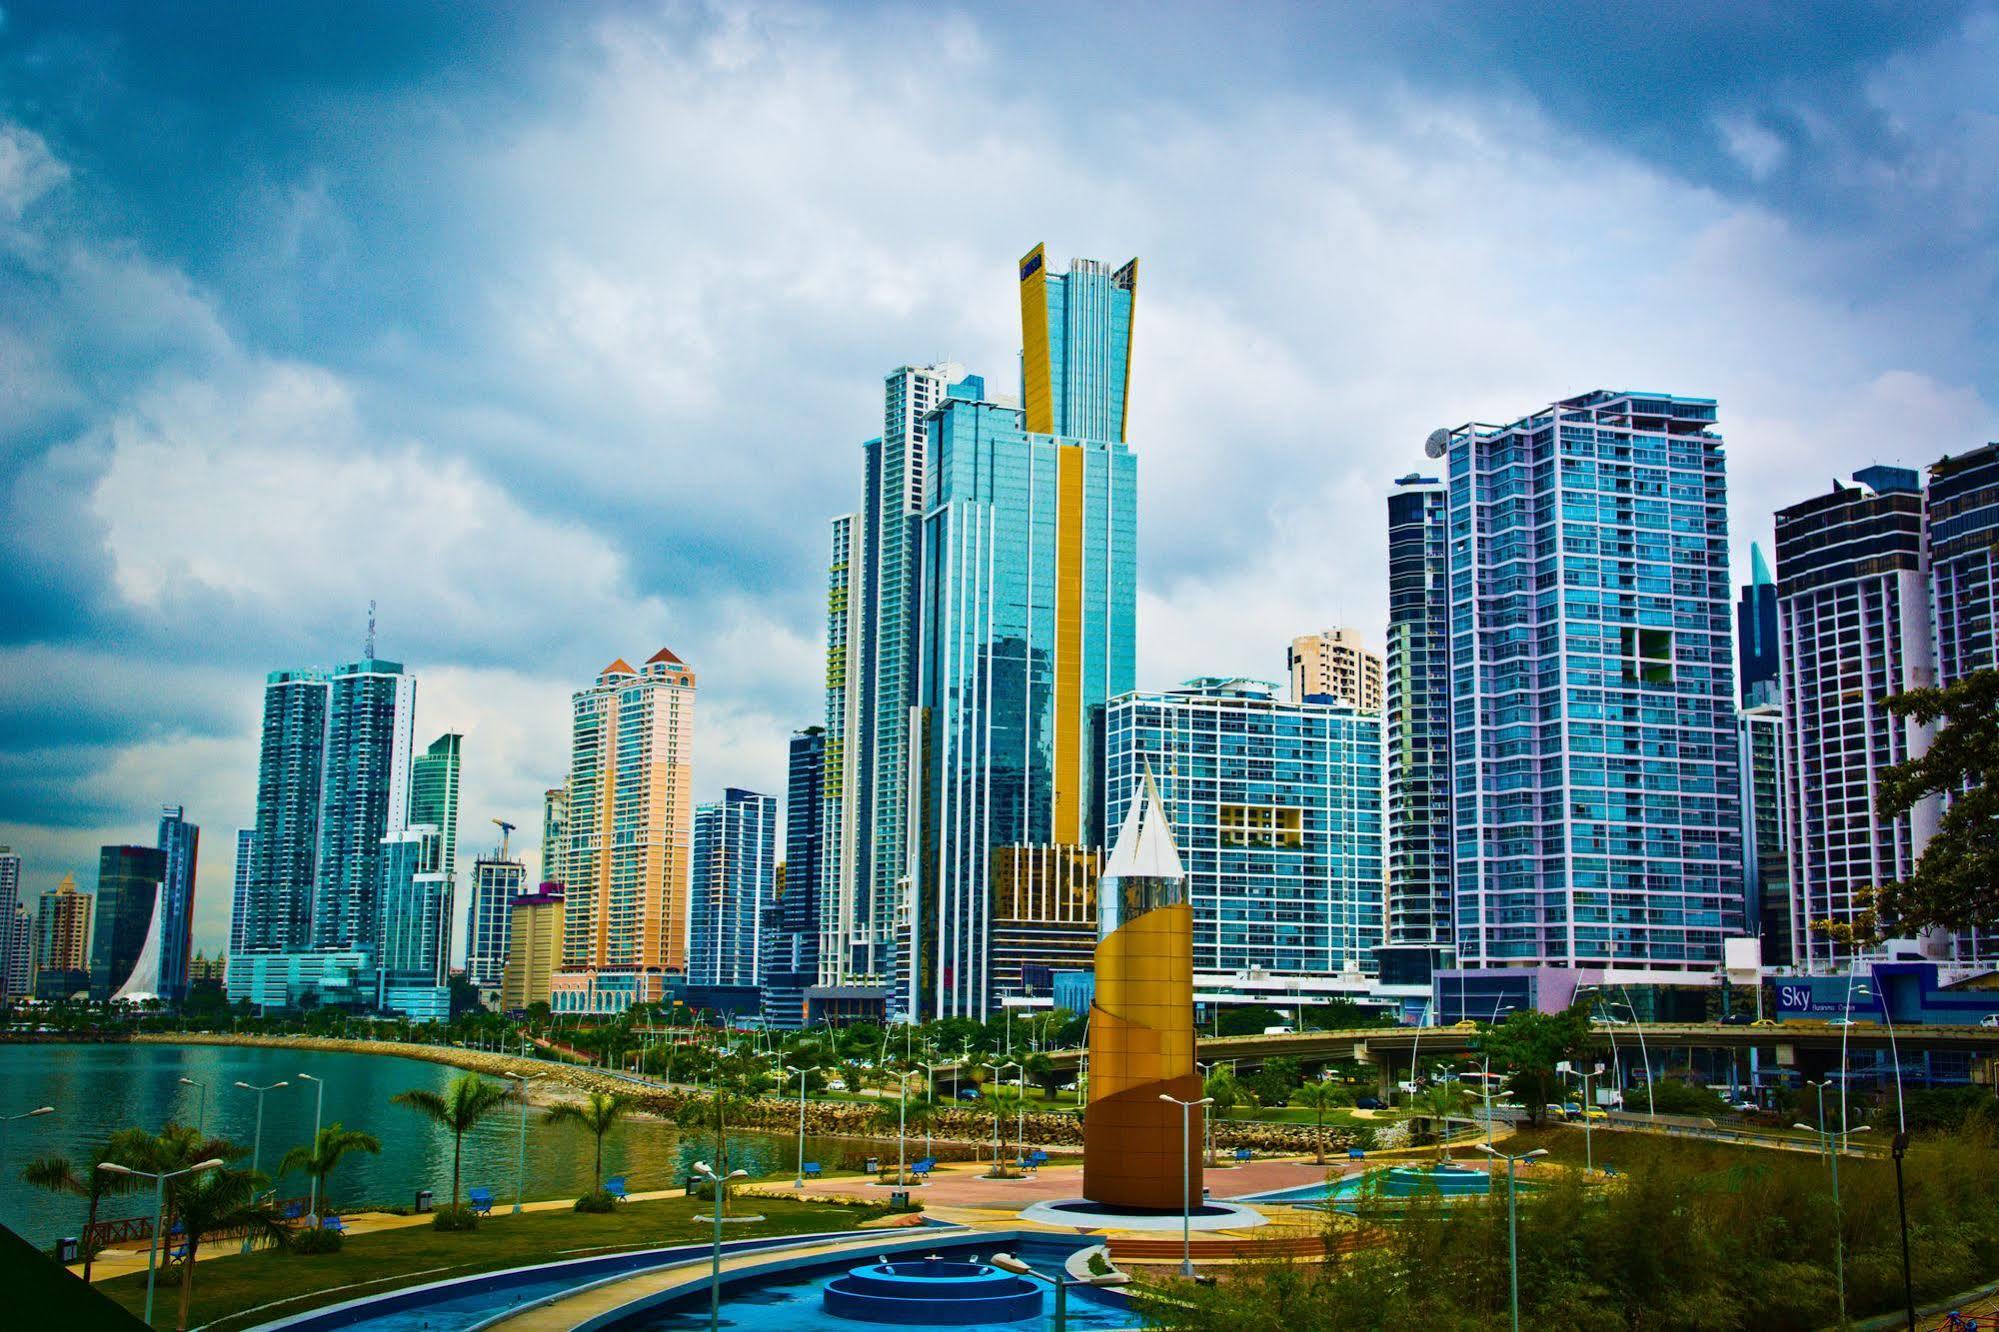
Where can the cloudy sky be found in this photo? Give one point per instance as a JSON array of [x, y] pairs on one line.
[[555, 328]]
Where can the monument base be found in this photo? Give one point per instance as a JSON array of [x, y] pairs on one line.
[[1085, 1215]]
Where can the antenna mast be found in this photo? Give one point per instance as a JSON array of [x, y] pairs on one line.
[[369, 650]]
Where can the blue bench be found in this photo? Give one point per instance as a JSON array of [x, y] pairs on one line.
[[1244, 1154], [334, 1224], [812, 1170], [294, 1211], [1037, 1157], [1356, 1154], [924, 1167], [615, 1186], [481, 1200]]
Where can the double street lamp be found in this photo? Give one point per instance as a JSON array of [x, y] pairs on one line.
[[318, 1105], [5, 1120], [1186, 1179], [721, 1183], [1512, 1220], [521, 1081], [257, 1149], [799, 1073], [1834, 1145], [201, 1113], [159, 1212]]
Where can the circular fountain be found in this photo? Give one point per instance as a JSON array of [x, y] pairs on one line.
[[932, 1291], [1453, 1181]]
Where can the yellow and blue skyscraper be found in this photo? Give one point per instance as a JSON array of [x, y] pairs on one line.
[[1028, 614]]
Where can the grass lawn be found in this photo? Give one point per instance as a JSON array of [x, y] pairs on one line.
[[1629, 1151], [226, 1289], [1338, 1118]]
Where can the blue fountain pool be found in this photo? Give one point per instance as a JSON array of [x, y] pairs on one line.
[[1390, 1184]]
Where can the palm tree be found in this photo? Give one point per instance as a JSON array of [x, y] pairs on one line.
[[464, 1103], [57, 1175], [217, 1200], [712, 1113], [1443, 1102], [318, 1158], [599, 1113], [1005, 1104], [1319, 1097], [1222, 1088]]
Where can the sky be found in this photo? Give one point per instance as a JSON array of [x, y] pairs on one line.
[[555, 329]]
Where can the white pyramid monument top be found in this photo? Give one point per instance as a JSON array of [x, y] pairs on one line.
[[1145, 848]]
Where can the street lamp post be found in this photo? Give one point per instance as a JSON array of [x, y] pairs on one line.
[[1006, 1262], [1513, 1221], [159, 1213], [1186, 1180], [799, 1073], [5, 1120], [201, 1113], [997, 1070], [318, 1105], [521, 1156], [721, 1183], [257, 1148]]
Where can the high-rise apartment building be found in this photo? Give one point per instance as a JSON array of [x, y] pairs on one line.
[[555, 834], [62, 942], [847, 941], [534, 946], [1334, 664], [364, 796], [1756, 634], [791, 936], [240, 896], [17, 950], [733, 881], [1766, 835], [180, 842], [1595, 787], [1029, 588], [883, 575], [128, 894], [496, 880], [434, 795], [1276, 808], [1417, 721], [273, 909], [1853, 615], [630, 829], [412, 944]]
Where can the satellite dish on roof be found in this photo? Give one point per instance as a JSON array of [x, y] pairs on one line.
[[1438, 444]]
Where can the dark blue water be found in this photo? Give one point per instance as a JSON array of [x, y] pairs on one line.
[[98, 1089]]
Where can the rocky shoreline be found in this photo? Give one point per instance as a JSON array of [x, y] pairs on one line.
[[837, 1119]]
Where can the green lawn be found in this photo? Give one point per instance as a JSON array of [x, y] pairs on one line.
[[227, 1289], [1628, 1151]]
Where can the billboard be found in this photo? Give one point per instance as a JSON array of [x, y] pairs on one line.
[[1826, 997]]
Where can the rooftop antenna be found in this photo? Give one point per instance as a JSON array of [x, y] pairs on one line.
[[369, 651]]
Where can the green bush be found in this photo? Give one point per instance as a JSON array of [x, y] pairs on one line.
[[599, 1202], [455, 1218], [1670, 1097], [314, 1240]]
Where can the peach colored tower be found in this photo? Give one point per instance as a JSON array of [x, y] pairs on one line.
[[630, 826], [1137, 1154]]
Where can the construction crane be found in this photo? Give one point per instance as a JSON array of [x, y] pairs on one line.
[[506, 831]]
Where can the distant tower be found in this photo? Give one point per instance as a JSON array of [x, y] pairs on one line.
[[735, 858], [1756, 633], [1334, 664], [179, 842]]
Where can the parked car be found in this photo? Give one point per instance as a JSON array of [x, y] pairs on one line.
[[1367, 1103], [968, 1093], [1765, 1022], [836, 1084], [1989, 1020]]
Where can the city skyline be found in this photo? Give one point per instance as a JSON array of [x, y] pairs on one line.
[[555, 536]]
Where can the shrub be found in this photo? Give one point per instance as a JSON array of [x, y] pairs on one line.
[[314, 1240], [598, 1201], [1098, 1265], [455, 1218]]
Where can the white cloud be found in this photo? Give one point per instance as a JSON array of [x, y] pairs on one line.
[[28, 170], [1753, 145]]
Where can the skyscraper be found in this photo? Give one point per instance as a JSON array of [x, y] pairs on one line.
[[791, 948], [412, 944], [534, 946], [496, 880], [1766, 832], [1756, 633], [364, 796], [555, 834], [630, 825], [62, 942], [240, 896], [1853, 600], [885, 584], [1282, 858], [1418, 721], [734, 864], [17, 953], [179, 842], [1029, 614], [274, 911], [434, 795], [1334, 664], [1594, 793], [846, 943], [128, 893]]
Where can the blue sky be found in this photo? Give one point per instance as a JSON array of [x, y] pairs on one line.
[[555, 328]]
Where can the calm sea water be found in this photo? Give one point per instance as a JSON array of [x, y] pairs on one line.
[[97, 1089]]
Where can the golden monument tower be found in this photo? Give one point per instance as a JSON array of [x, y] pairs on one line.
[[1137, 1153]]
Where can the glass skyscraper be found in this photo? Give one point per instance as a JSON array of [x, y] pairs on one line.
[[412, 944], [1418, 720], [1276, 809], [179, 842], [791, 936], [434, 795], [128, 893], [1029, 548], [734, 869], [847, 940], [496, 881], [273, 910], [364, 796], [1595, 786], [1756, 633]]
